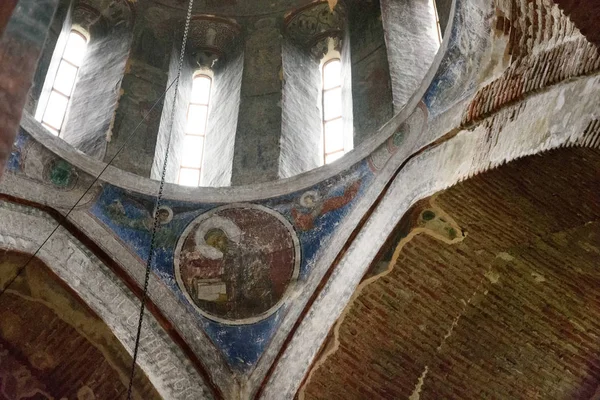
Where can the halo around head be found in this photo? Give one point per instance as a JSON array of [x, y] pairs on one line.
[[230, 229]]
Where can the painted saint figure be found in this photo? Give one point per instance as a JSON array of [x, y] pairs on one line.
[[235, 263], [225, 269]]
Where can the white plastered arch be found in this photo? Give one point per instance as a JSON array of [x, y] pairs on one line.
[[172, 374]]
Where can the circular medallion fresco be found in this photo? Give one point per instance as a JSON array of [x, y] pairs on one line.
[[235, 263]]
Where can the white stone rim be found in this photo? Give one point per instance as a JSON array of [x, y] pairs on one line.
[[286, 293]]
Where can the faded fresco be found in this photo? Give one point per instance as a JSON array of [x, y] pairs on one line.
[[234, 266], [236, 262], [213, 256]]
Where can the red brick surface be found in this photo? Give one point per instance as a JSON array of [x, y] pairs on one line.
[[545, 49], [586, 16], [65, 353], [511, 312]]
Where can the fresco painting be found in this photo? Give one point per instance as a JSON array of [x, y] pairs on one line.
[[307, 219], [15, 159], [236, 262]]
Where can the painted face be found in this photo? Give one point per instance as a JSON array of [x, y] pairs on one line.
[[163, 215], [217, 239]]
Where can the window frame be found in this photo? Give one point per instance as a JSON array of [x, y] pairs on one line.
[[437, 22], [53, 90], [325, 121], [186, 133]]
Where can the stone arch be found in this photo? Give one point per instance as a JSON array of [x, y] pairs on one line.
[[512, 133], [167, 367], [500, 266], [38, 307]]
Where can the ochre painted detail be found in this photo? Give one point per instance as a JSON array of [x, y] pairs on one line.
[[510, 311], [44, 327]]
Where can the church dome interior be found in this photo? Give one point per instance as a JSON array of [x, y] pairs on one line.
[[299, 199]]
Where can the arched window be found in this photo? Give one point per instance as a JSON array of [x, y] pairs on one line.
[[333, 124], [195, 132], [56, 107]]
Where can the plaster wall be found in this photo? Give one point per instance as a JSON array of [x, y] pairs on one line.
[[142, 95], [301, 136], [143, 86], [20, 48], [173, 124], [347, 85], [412, 43], [372, 102], [256, 154], [90, 115], [222, 122], [48, 65]]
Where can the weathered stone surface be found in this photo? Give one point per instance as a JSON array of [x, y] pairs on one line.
[[301, 125], [222, 122], [55, 43], [173, 122], [504, 312], [342, 213], [372, 104], [256, 155], [90, 117], [412, 43]]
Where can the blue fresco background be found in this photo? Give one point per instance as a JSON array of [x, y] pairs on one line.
[[241, 345]]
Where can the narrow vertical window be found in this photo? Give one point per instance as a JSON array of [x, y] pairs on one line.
[[64, 82], [195, 132], [333, 125], [437, 21]]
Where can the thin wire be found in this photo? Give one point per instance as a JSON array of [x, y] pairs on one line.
[[159, 202], [64, 218]]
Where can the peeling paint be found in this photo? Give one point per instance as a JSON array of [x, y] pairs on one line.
[[416, 395]]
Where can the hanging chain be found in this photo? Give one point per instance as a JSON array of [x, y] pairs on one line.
[[158, 202]]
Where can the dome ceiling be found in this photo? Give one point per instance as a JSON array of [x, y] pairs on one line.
[[236, 8]]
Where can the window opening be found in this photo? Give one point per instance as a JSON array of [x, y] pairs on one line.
[[64, 83], [437, 21], [333, 124], [195, 132]]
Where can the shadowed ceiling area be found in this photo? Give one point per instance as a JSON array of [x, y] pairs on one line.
[[509, 308], [52, 346]]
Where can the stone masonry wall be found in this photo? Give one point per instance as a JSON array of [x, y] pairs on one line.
[[256, 154]]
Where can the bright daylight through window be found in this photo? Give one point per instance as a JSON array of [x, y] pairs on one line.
[[64, 83], [333, 126], [195, 132]]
